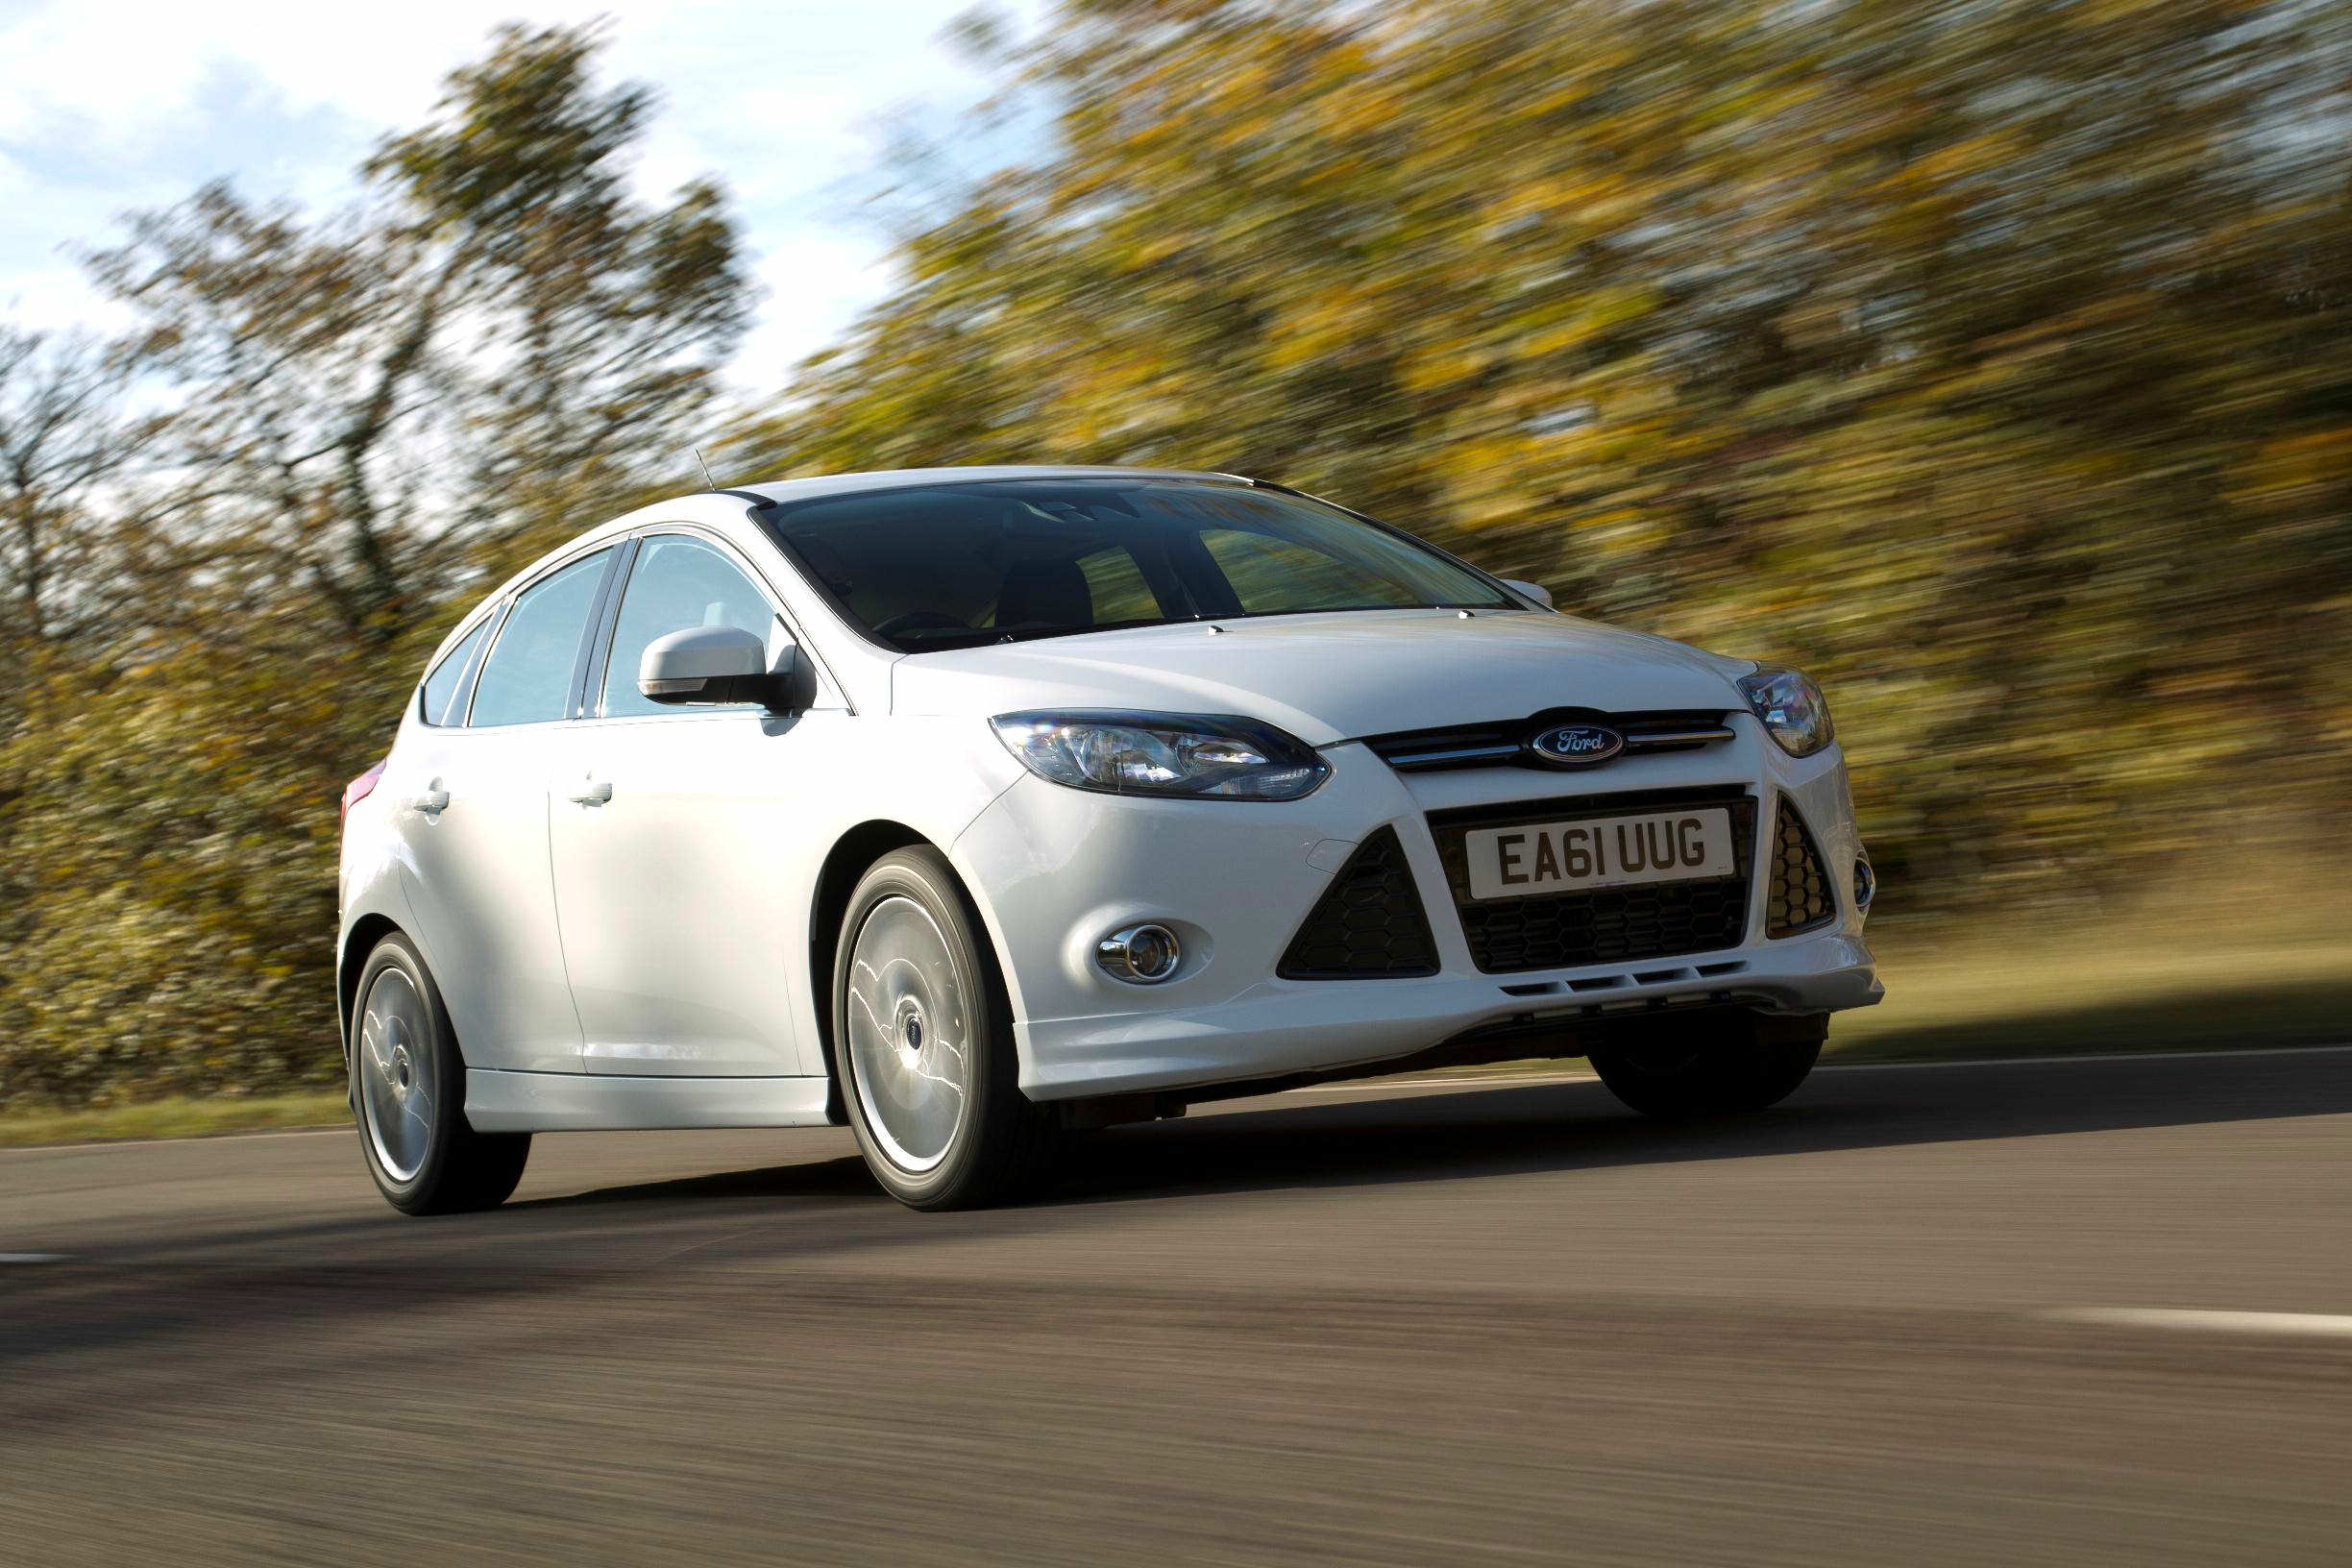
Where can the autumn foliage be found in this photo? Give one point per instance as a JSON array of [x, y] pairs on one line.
[[1993, 362]]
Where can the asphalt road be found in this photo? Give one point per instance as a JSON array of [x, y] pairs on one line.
[[1451, 1325]]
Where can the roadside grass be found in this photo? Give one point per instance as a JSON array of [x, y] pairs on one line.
[[175, 1119], [2058, 1002], [2063, 992], [2081, 995]]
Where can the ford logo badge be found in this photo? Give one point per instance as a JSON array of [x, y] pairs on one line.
[[1574, 745]]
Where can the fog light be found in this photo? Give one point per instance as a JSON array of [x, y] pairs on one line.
[[1142, 955], [1866, 883]]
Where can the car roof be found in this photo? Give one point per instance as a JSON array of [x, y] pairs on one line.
[[900, 478]]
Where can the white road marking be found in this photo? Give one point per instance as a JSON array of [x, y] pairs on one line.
[[1501, 1080], [2308, 1324], [1834, 1065], [31, 1257]]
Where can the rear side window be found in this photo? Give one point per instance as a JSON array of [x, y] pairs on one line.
[[443, 700], [528, 678]]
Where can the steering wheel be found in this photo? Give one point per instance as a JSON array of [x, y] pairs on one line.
[[921, 620]]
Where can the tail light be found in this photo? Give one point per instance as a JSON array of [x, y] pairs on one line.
[[360, 789]]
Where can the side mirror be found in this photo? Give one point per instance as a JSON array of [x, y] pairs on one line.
[[1535, 591], [714, 664]]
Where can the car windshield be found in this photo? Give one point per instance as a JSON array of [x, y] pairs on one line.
[[962, 563]]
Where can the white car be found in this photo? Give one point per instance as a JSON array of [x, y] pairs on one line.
[[967, 806]]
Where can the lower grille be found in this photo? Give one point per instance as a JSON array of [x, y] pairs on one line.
[[1369, 925], [1613, 926], [1800, 896]]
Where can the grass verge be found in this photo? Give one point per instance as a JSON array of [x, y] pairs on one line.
[[2063, 997], [2065, 1001], [175, 1119], [2081, 996]]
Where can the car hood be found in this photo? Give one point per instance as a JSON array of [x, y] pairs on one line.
[[1331, 677]]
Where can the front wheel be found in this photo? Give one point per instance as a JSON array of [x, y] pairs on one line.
[[1714, 1067], [922, 1043], [407, 1084]]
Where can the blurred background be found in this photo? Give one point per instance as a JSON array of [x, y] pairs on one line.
[[1992, 361]]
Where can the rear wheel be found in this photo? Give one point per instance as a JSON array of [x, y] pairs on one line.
[[922, 1043], [1715, 1067], [408, 1094]]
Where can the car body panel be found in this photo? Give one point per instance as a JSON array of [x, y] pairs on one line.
[[681, 914], [475, 875], [548, 1102], [1238, 882], [658, 890], [1362, 672]]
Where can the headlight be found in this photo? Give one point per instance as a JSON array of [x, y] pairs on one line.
[[1792, 707], [1204, 757]]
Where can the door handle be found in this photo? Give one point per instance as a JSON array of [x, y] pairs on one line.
[[593, 795], [432, 803]]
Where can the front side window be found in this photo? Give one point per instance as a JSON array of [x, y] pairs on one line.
[[967, 562], [442, 701], [678, 582], [528, 678], [1116, 589]]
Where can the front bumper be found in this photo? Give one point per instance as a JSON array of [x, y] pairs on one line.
[[1056, 869]]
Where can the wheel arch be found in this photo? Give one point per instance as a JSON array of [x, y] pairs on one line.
[[845, 865], [358, 943]]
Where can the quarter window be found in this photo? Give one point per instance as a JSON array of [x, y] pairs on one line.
[[443, 699], [528, 678], [678, 582]]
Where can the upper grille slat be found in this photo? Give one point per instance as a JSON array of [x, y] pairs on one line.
[[1505, 742]]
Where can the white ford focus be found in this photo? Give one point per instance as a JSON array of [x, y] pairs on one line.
[[970, 805]]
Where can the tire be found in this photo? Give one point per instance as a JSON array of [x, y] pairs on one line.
[[922, 1043], [408, 1088], [1723, 1068]]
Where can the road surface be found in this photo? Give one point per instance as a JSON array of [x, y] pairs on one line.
[[1906, 1318]]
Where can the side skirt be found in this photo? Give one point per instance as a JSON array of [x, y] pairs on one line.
[[579, 1102]]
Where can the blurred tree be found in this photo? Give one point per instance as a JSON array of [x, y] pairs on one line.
[[497, 330], [367, 411], [71, 451], [1990, 358]]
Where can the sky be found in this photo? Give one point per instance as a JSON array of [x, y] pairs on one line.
[[113, 106]]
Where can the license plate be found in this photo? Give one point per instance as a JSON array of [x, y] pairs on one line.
[[1599, 852]]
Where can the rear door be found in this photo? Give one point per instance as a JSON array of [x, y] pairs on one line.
[[473, 811], [674, 851]]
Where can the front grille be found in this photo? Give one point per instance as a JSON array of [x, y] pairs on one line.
[[1505, 742], [1611, 926], [1800, 896], [1369, 925]]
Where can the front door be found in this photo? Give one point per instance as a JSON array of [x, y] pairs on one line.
[[671, 845]]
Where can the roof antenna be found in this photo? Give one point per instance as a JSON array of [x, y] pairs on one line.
[[705, 467]]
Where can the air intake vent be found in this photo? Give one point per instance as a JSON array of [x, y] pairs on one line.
[[1369, 925], [1800, 896]]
